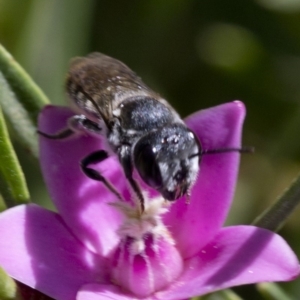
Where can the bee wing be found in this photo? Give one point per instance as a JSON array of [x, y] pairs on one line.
[[97, 83]]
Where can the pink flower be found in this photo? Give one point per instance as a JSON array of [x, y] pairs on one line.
[[97, 248]]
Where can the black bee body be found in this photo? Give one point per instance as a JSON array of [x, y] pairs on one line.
[[140, 127]]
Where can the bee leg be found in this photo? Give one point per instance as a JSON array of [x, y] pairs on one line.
[[62, 134], [76, 124], [125, 159], [94, 158]]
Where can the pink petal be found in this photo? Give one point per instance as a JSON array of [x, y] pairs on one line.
[[82, 202], [237, 255], [103, 292], [106, 292], [37, 249], [217, 127]]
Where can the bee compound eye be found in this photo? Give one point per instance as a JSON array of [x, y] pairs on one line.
[[147, 166]]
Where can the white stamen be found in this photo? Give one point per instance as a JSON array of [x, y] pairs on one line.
[[137, 225]]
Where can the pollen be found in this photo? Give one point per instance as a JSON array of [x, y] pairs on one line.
[[137, 225]]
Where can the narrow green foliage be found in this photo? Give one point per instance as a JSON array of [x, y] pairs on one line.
[[27, 92], [21, 100], [18, 117], [12, 181], [8, 287], [271, 291], [220, 295], [229, 295], [275, 216], [2, 204]]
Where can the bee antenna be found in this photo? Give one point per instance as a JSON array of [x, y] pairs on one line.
[[244, 149]]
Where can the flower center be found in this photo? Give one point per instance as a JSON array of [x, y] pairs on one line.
[[146, 259]]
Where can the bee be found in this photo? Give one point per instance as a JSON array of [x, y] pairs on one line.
[[141, 128]]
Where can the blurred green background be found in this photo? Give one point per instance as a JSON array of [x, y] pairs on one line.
[[196, 54]]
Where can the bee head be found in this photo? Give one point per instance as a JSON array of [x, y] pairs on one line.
[[167, 160]]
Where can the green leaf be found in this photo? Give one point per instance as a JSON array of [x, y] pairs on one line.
[[229, 295], [2, 203], [18, 117], [221, 295], [12, 180], [21, 100], [8, 287], [275, 216], [27, 92], [271, 291]]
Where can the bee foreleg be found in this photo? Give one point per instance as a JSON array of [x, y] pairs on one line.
[[75, 124], [94, 158], [62, 134], [125, 159]]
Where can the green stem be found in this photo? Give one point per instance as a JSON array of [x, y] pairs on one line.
[[276, 215]]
